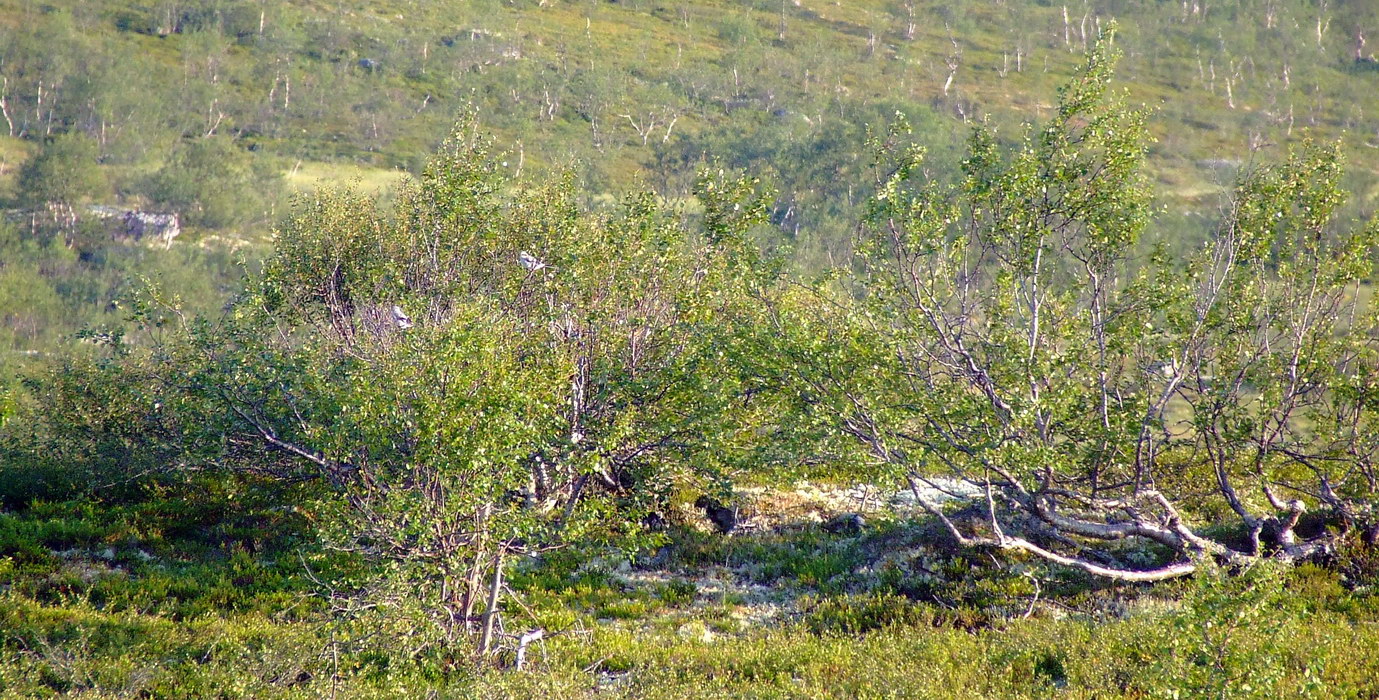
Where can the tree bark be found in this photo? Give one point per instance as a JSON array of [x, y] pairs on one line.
[[491, 613]]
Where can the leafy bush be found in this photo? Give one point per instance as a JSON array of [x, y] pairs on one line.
[[214, 183], [1002, 330], [63, 173], [484, 371], [858, 614], [677, 593]]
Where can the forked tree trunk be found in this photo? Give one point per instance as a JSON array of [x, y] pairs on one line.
[[491, 613]]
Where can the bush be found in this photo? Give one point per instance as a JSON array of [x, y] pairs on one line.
[[64, 172], [214, 183], [858, 614], [483, 371]]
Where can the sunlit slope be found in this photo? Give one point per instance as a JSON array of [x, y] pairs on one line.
[[628, 90]]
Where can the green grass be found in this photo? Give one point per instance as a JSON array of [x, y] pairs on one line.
[[218, 597], [13, 154], [592, 65], [783, 90], [309, 176]]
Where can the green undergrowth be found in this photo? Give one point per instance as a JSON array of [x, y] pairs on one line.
[[215, 590]]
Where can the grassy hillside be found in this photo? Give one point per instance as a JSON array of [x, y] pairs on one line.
[[217, 110], [216, 592], [646, 89]]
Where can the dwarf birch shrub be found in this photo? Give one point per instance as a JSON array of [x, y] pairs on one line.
[[482, 372], [1006, 332]]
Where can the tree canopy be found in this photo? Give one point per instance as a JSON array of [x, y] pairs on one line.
[[1002, 331]]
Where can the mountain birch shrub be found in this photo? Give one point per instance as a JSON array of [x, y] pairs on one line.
[[484, 372], [1003, 331]]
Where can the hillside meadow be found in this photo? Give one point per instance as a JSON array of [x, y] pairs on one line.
[[688, 349]]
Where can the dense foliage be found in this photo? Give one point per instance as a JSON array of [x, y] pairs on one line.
[[484, 371], [646, 89], [212, 109], [1002, 330]]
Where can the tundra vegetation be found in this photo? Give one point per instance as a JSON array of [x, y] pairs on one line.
[[463, 443], [217, 110]]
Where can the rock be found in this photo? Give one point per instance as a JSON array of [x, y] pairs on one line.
[[655, 522], [939, 491], [659, 559], [696, 631], [134, 224], [163, 227], [724, 518], [613, 679], [845, 524]]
